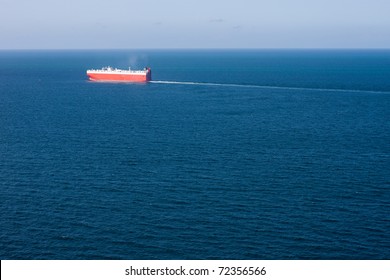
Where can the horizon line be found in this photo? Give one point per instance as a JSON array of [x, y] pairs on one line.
[[200, 49]]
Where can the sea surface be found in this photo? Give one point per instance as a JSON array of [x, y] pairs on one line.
[[227, 154]]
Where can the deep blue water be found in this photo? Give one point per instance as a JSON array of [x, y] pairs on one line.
[[256, 155]]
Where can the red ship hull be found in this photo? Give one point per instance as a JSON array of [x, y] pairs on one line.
[[116, 75]]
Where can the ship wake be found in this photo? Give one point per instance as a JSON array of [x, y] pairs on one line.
[[268, 87], [202, 84]]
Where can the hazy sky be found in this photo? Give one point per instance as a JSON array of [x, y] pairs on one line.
[[90, 24]]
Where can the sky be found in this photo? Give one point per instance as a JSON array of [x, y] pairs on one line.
[[154, 24]]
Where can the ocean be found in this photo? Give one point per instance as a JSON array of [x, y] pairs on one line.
[[227, 154]]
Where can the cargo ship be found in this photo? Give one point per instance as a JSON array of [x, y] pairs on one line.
[[118, 75]]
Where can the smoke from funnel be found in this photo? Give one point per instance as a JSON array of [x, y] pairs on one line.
[[138, 61]]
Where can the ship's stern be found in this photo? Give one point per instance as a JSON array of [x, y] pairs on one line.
[[148, 74]]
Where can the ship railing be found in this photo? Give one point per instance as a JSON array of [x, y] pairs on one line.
[[105, 69]]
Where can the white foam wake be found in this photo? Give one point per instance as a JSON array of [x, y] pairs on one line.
[[191, 83], [267, 87]]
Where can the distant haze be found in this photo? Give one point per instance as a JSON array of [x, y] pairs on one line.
[[87, 24]]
